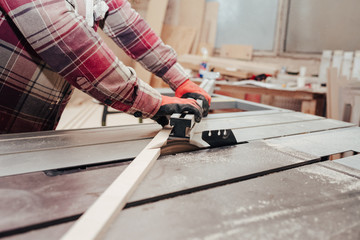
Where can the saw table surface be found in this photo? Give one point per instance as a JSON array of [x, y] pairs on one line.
[[277, 182]]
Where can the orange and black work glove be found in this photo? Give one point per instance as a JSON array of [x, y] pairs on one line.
[[170, 105], [190, 90]]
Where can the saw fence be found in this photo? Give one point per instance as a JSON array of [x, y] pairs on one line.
[[275, 181]]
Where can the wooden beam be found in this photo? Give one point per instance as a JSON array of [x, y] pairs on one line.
[[356, 67], [96, 220], [337, 60], [187, 13], [347, 64], [236, 51], [324, 65], [209, 27]]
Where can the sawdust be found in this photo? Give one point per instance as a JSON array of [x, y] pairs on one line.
[[290, 151], [344, 181], [206, 157]]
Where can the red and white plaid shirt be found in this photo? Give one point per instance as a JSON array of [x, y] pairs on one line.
[[46, 48]]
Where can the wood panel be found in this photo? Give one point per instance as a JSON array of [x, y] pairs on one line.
[[324, 65], [209, 27], [356, 67], [242, 52], [187, 13]]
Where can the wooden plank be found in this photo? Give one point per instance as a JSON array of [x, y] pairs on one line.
[[209, 27], [154, 17], [335, 103], [94, 222], [355, 115], [242, 52], [356, 66], [191, 14], [233, 90], [347, 64], [232, 72], [337, 60], [331, 95], [180, 38], [208, 46], [308, 107], [187, 13], [324, 65]]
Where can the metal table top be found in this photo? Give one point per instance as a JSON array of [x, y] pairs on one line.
[[278, 184]]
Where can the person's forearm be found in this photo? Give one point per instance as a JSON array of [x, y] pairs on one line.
[[131, 32]]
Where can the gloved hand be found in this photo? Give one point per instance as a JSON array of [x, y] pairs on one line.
[[170, 105], [190, 90]]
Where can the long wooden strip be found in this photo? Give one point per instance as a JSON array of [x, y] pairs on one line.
[[95, 221]]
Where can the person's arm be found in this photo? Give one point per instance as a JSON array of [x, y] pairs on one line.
[[74, 50], [131, 33]]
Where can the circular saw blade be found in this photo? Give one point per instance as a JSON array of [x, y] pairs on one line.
[[177, 146]]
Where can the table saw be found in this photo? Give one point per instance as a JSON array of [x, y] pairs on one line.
[[274, 178]]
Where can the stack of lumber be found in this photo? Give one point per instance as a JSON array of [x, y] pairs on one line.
[[230, 67]]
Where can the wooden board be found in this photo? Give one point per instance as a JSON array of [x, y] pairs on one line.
[[356, 66], [187, 13], [355, 114], [337, 60], [324, 65], [191, 14], [154, 17], [242, 52], [332, 93], [95, 221], [232, 72], [335, 104], [209, 27], [180, 38], [347, 65]]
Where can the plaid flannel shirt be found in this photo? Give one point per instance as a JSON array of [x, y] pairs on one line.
[[46, 48]]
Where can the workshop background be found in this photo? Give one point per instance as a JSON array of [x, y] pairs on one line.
[[289, 44], [276, 158]]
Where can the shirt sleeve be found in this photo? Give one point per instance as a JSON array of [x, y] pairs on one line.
[[74, 50], [131, 33]]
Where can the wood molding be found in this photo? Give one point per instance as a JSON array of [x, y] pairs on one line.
[[96, 220]]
